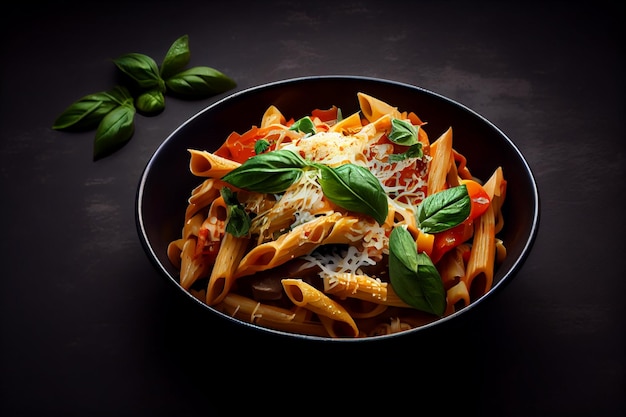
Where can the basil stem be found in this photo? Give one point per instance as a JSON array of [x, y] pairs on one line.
[[443, 210], [87, 112], [238, 222], [115, 129], [142, 69], [177, 57], [271, 172], [413, 276], [403, 132], [199, 82], [354, 188]]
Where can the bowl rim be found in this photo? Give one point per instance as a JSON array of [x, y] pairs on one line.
[[497, 286]]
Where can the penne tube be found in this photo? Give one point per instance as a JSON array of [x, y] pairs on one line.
[[351, 285], [256, 310], [456, 294], [222, 276], [335, 318], [207, 164], [192, 267], [374, 108], [272, 116], [441, 151], [479, 274]]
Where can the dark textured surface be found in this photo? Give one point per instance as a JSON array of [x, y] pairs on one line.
[[89, 327]]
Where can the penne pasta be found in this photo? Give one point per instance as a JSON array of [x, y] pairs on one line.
[[333, 316], [206, 164], [314, 255]]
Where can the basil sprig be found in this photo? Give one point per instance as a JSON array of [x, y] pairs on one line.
[[443, 210], [238, 221], [413, 275], [89, 110], [144, 93], [349, 186], [403, 132]]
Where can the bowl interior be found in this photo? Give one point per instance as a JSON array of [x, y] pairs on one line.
[[166, 181]]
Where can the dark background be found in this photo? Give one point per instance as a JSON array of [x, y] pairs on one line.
[[89, 328]]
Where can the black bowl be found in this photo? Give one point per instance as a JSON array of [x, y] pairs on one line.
[[166, 182]]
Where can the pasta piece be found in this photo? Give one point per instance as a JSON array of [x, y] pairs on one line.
[[441, 151], [349, 125], [256, 310], [333, 316], [174, 250], [458, 294], [451, 267], [207, 164], [300, 241], [272, 116], [374, 108], [351, 285], [230, 253], [192, 226], [202, 196], [479, 275], [192, 267]]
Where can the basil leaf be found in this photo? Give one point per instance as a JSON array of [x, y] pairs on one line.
[[404, 247], [261, 146], [403, 132], [199, 82], [414, 151], [413, 276], [88, 111], [115, 129], [177, 57], [271, 172], [238, 222], [142, 69], [444, 210], [304, 125], [354, 188], [150, 102]]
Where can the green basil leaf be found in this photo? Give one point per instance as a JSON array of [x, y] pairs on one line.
[[403, 132], [150, 102], [199, 82], [238, 222], [413, 276], [261, 146], [142, 69], [304, 125], [444, 210], [119, 94], [115, 129], [404, 247], [354, 188], [87, 112], [414, 151], [271, 172], [177, 57]]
